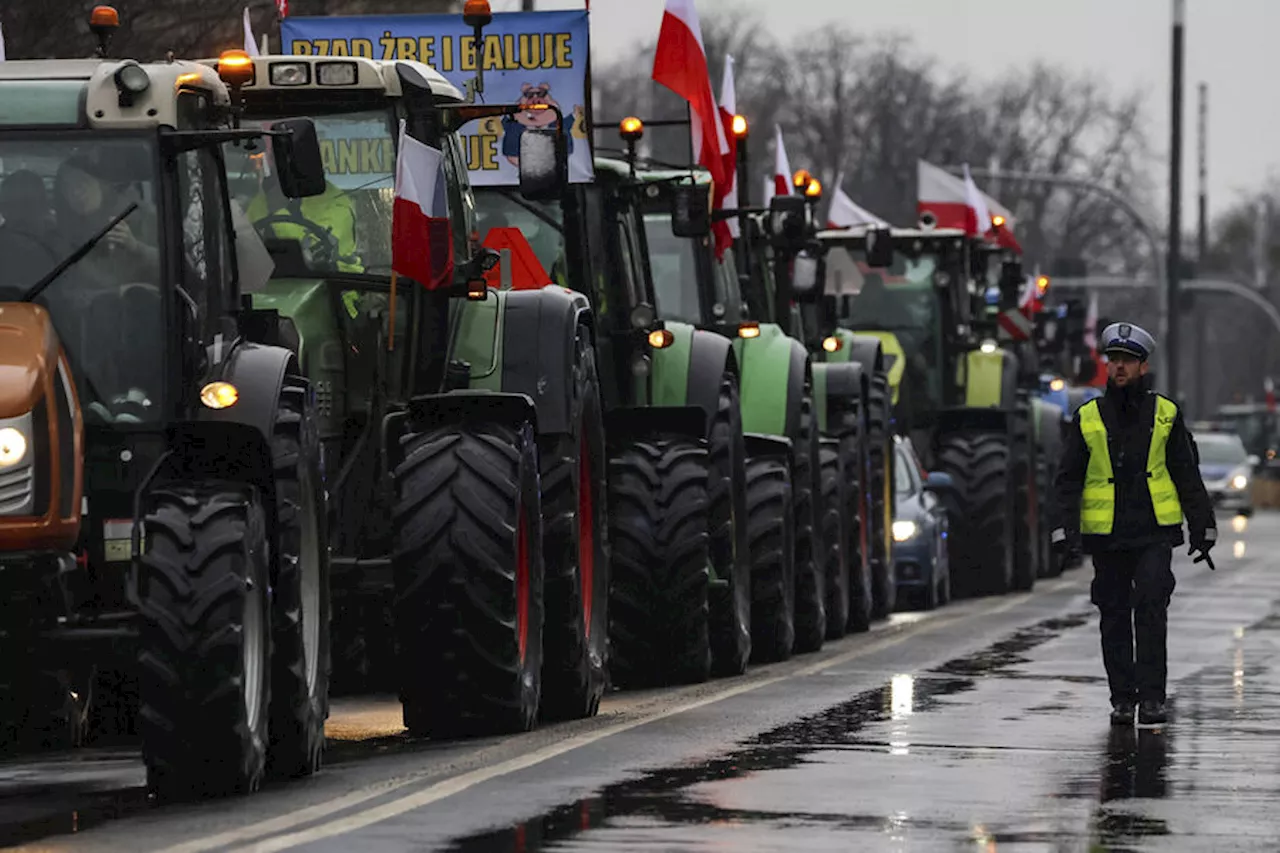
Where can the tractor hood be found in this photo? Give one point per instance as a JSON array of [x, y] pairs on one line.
[[28, 350]]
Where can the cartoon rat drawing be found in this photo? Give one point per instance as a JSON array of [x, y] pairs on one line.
[[515, 125]]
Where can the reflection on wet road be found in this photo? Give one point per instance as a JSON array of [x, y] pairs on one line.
[[982, 726]]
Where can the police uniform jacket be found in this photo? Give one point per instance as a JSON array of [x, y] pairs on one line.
[[1129, 417]]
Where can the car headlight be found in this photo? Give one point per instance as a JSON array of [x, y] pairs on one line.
[[1239, 482], [903, 530], [13, 447]]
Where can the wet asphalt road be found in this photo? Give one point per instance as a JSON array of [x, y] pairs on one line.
[[981, 726]]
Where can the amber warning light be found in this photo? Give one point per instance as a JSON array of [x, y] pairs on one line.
[[631, 128], [235, 67], [104, 17], [739, 126]]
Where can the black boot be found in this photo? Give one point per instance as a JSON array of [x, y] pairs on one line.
[[1122, 714], [1151, 712]]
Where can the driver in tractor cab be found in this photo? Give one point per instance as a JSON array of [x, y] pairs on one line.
[[331, 212]]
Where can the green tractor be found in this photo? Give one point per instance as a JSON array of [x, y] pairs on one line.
[[786, 504], [679, 605], [782, 272], [461, 424], [957, 393]]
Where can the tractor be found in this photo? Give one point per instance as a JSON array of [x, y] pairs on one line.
[[164, 571], [959, 395], [679, 608], [481, 632], [783, 269]]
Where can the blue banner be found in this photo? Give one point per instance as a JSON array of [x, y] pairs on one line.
[[528, 58]]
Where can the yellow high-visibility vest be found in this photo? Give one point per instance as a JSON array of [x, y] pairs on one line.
[[1098, 504]]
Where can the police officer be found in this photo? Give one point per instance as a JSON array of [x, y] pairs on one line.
[[1129, 472]]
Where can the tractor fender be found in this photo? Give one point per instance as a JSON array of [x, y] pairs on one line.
[[669, 380], [257, 371], [627, 423], [776, 372], [462, 406], [775, 446], [539, 331], [867, 350], [836, 386], [710, 356]]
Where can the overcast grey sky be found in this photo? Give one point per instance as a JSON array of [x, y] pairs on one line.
[[1231, 45]]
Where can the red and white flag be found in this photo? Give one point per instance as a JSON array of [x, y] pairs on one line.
[[282, 8], [727, 229], [250, 45], [958, 203], [845, 213], [421, 237], [680, 64], [781, 166], [978, 218]]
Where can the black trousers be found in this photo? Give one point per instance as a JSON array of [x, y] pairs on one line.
[[1132, 589]]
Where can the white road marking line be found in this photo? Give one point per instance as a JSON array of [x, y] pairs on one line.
[[456, 784]]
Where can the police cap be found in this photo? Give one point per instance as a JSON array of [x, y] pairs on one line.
[[1128, 338]]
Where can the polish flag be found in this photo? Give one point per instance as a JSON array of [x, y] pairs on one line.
[[844, 213], [680, 64], [976, 207], [955, 202], [421, 236], [781, 166], [250, 45], [727, 229]]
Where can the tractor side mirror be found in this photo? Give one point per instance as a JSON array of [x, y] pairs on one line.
[[691, 210], [789, 218], [544, 164], [296, 150], [939, 481], [878, 245]]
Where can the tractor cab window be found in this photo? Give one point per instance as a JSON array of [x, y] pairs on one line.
[[346, 229], [541, 225], [57, 193], [674, 264]]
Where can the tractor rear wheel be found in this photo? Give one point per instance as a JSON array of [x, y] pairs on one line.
[[771, 530], [847, 426], [730, 599], [835, 538], [811, 612], [204, 641], [300, 604], [659, 617], [880, 460], [469, 580], [981, 512], [575, 543]]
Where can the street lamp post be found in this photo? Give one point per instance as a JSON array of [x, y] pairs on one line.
[[1174, 262]]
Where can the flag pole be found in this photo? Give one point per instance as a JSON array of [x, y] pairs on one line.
[[391, 317]]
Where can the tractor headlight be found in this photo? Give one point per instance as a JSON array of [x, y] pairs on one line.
[[13, 447], [904, 530]]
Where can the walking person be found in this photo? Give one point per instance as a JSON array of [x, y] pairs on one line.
[[1129, 473]]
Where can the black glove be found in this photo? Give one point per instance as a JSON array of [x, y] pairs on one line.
[[1203, 541], [1066, 546]]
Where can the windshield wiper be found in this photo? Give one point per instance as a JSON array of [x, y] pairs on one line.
[[85, 248], [532, 209]]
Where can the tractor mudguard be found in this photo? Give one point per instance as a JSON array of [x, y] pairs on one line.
[[774, 369], [889, 354], [669, 381], [463, 406], [710, 355], [868, 350], [545, 321], [258, 372], [626, 423], [837, 384], [776, 446]]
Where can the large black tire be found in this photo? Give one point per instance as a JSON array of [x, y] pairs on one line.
[[811, 611], [575, 542], [981, 512], [1025, 544], [300, 604], [835, 540], [880, 458], [204, 641], [659, 629], [730, 597], [771, 531], [846, 425], [469, 580]]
